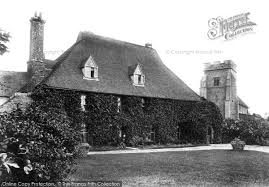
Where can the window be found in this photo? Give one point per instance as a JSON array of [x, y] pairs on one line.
[[83, 102], [137, 76], [90, 69], [142, 102], [92, 72], [216, 81], [139, 79], [178, 132], [151, 136], [118, 104]]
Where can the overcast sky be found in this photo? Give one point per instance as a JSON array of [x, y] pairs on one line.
[[169, 25]]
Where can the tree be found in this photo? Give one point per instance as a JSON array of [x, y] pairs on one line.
[[38, 144], [4, 38]]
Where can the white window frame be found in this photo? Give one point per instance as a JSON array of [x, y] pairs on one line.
[[83, 102], [136, 81], [118, 104], [87, 70], [135, 77]]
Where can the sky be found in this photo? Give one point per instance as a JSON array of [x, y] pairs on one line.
[[176, 29]]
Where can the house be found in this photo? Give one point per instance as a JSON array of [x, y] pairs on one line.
[[94, 64], [219, 86]]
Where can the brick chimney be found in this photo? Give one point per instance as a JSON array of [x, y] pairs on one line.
[[35, 66]]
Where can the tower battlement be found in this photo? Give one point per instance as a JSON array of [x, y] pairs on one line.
[[218, 85], [227, 64]]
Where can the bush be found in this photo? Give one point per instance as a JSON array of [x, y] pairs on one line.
[[250, 129], [148, 142], [238, 145], [136, 141], [40, 143]]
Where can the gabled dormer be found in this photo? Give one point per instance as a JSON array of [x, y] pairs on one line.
[[137, 76], [90, 69]]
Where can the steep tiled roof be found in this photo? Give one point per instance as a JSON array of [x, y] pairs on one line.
[[49, 63], [242, 103], [18, 100], [113, 59], [50, 66], [11, 81]]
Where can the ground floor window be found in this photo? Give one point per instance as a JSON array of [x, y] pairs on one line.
[[178, 132], [152, 136], [122, 134]]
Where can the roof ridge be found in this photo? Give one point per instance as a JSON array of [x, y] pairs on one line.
[[87, 36]]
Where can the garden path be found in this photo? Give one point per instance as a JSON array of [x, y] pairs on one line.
[[198, 148]]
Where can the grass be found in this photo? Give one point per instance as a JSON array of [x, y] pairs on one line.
[[207, 168]]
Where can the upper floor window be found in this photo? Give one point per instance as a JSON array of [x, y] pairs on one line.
[[143, 102], [216, 81], [82, 102], [92, 72], [118, 104], [137, 75], [90, 69]]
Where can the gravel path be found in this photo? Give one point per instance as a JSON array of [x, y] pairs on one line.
[[210, 147]]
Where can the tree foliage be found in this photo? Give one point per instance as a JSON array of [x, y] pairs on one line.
[[4, 38], [40, 139], [251, 129]]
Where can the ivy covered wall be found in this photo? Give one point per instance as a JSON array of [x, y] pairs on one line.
[[161, 120]]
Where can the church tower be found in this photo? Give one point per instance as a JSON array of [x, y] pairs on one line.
[[218, 85]]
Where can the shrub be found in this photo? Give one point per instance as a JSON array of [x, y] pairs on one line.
[[136, 141], [148, 142], [238, 145], [250, 129], [40, 140]]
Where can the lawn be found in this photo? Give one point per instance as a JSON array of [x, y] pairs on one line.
[[209, 168]]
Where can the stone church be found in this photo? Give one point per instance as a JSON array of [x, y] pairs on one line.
[[219, 86]]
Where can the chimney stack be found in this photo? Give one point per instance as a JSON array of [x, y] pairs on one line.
[[35, 66], [149, 45], [36, 38]]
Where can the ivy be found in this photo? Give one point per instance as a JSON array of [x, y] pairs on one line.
[[165, 117]]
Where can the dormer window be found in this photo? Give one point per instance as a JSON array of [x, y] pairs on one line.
[[137, 76], [90, 69]]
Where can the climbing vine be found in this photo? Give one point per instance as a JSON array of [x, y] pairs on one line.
[[164, 120]]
